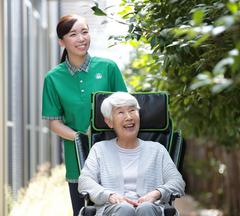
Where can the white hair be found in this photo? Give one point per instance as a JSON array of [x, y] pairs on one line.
[[117, 99]]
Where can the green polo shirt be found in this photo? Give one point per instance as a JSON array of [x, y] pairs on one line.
[[67, 96]]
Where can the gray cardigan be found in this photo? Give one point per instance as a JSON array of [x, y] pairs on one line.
[[102, 175]]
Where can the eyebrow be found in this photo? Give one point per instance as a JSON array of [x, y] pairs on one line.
[[128, 107], [74, 31]]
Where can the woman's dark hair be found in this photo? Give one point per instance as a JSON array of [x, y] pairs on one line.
[[64, 26]]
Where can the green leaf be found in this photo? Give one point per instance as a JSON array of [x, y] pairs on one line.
[[199, 84], [220, 87], [232, 7], [98, 11], [227, 21], [198, 17], [201, 40], [218, 30], [220, 66], [127, 9], [202, 79]]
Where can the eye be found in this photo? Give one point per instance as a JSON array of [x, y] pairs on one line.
[[132, 110], [72, 34], [85, 32], [120, 112]]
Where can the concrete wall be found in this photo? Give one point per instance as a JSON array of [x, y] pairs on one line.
[[2, 119]]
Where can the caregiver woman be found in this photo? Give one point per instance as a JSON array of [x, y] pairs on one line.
[[66, 100]]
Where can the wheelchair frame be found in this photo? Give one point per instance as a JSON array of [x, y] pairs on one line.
[[155, 125]]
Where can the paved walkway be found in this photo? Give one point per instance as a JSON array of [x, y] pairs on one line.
[[187, 206]]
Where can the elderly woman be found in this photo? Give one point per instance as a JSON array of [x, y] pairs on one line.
[[126, 175]]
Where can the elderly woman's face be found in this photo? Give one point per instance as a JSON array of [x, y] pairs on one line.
[[125, 121]]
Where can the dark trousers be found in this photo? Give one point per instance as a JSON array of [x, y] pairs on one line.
[[77, 201]]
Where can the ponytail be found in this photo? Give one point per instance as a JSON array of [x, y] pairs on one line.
[[64, 55]]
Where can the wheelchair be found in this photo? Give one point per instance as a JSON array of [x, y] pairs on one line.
[[155, 125]]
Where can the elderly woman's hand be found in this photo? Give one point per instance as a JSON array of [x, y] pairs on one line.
[[117, 198], [150, 197]]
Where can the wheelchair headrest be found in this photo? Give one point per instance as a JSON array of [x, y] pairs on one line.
[[154, 114]]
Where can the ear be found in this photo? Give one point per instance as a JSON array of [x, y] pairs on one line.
[[61, 43], [108, 122]]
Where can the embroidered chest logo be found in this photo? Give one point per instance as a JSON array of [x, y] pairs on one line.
[[98, 76]]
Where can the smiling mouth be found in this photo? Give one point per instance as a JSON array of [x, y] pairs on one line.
[[129, 126], [83, 46]]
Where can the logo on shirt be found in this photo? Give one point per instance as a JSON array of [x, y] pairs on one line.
[[98, 76]]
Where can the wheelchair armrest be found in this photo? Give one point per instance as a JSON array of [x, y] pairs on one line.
[[88, 209], [174, 196], [169, 211], [84, 195]]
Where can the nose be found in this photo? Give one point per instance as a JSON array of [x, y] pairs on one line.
[[128, 115], [80, 37]]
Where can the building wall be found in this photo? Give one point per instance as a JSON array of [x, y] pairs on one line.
[[2, 119], [27, 54]]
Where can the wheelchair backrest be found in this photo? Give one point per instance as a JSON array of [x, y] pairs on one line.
[[155, 122]]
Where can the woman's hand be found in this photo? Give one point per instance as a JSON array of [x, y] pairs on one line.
[[150, 197], [62, 130], [117, 199]]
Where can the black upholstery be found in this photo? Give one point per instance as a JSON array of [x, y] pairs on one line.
[[154, 118], [89, 211], [153, 112], [165, 137], [82, 148]]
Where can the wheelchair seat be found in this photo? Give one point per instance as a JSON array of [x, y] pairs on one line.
[[155, 125]]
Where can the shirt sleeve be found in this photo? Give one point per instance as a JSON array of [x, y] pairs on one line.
[[89, 180], [51, 106], [173, 181], [117, 81]]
